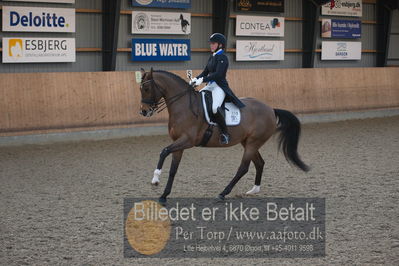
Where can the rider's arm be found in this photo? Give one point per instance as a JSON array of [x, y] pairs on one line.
[[204, 73]]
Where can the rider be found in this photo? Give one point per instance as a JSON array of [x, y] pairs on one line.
[[215, 74]]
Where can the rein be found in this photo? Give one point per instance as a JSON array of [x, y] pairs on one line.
[[163, 103]]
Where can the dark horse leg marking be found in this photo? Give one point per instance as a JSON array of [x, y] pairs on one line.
[[176, 157], [259, 165], [242, 170]]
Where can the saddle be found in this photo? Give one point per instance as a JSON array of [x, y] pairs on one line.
[[231, 112]]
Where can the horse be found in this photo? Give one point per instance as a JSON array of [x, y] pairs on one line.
[[187, 126]]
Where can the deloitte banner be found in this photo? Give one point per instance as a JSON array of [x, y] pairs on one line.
[[184, 4], [160, 23], [259, 26], [337, 28], [45, 1], [161, 50], [38, 19], [38, 50], [349, 8], [341, 50], [259, 50]]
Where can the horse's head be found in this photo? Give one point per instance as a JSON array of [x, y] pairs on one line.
[[150, 93]]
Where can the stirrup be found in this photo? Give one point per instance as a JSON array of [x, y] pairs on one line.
[[224, 138]]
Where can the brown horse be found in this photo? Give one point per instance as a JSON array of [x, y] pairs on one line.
[[187, 127]]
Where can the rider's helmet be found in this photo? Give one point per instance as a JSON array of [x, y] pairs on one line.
[[219, 38]]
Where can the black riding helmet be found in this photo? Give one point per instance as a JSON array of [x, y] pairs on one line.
[[219, 38]]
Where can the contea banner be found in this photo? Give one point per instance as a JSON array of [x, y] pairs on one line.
[[38, 50], [161, 23], [45, 1], [161, 50], [259, 50], [350, 8], [341, 50], [38, 19], [259, 26]]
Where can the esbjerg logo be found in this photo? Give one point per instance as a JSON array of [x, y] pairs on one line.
[[15, 48], [30, 20]]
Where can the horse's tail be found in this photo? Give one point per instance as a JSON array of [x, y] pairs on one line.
[[290, 131]]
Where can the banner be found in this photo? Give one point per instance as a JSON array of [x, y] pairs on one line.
[[38, 50], [337, 28], [341, 50], [349, 8], [161, 50], [260, 5], [259, 26], [161, 23], [259, 50], [45, 1], [184, 4], [38, 19]]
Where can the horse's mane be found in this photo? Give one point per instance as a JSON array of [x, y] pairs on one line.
[[172, 75]]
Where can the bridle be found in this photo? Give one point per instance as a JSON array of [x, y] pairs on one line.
[[160, 105]]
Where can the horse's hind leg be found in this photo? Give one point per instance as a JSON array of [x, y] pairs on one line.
[[259, 164], [242, 170]]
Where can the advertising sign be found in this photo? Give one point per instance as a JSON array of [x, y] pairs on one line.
[[38, 50], [349, 8], [341, 51], [161, 23], [38, 19], [336, 28], [259, 50], [45, 1], [184, 4], [161, 50], [259, 26], [260, 5]]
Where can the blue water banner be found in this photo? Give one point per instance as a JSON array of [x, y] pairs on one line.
[[337, 28], [161, 50], [183, 4]]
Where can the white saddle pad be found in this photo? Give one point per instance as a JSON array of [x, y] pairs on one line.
[[233, 113]]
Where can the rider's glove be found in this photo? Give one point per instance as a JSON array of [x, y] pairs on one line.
[[193, 81], [198, 81]]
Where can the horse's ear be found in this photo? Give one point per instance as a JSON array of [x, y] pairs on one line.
[[150, 76]]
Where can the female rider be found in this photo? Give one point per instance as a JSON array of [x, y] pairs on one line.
[[215, 75]]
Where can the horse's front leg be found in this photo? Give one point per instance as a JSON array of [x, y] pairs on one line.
[[176, 157], [181, 143]]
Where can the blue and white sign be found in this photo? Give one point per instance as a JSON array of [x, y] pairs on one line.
[[337, 28], [341, 50], [161, 50], [184, 4], [38, 19]]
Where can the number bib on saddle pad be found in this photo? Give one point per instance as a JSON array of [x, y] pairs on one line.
[[232, 113]]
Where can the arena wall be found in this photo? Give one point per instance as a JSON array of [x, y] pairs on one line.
[[48, 102]]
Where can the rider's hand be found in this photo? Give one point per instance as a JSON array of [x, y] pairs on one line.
[[193, 81], [198, 81]]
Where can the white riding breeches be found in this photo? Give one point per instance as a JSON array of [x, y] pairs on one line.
[[218, 95]]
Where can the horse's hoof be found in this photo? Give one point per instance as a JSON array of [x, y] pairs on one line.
[[221, 197], [162, 201], [155, 184]]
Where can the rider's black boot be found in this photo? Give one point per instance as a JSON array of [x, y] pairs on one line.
[[219, 119]]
